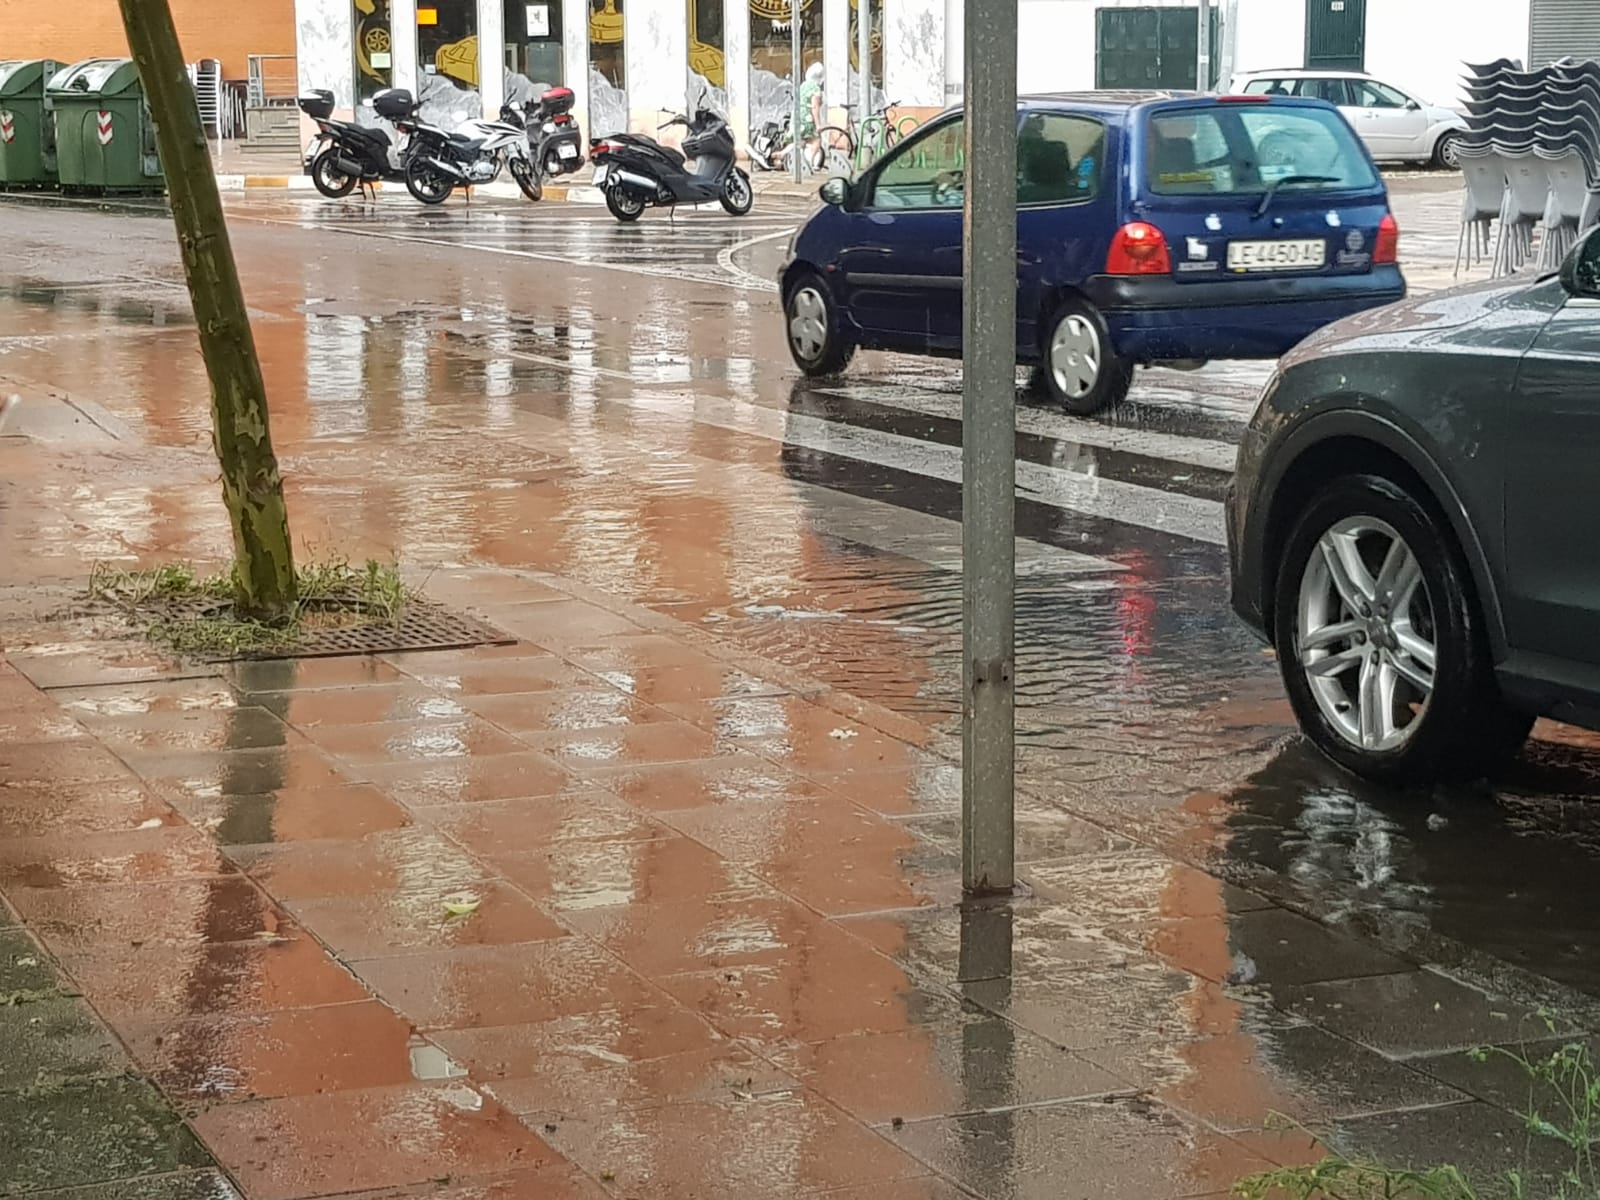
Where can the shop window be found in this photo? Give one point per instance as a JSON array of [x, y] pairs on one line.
[[373, 46], [708, 74], [773, 73], [533, 41]]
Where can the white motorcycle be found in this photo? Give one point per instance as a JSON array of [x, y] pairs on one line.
[[438, 162]]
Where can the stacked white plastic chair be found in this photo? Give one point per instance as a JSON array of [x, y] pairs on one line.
[[1531, 161]]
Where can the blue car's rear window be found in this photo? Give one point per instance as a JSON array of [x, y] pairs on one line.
[[1237, 149]]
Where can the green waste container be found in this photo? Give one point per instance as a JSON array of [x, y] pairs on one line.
[[27, 130], [105, 139]]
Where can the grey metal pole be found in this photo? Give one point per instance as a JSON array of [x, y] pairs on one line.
[[1230, 45], [1202, 67], [988, 449], [864, 58], [798, 71]]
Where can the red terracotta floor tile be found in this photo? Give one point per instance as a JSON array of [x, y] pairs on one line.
[[599, 707], [730, 780], [391, 924], [504, 985], [838, 987], [164, 983], [671, 1152], [555, 1182], [780, 723], [471, 780], [413, 741], [807, 737], [99, 806], [561, 622], [836, 859], [161, 696], [576, 875], [45, 723], [291, 1052], [656, 872], [74, 761], [572, 1082], [193, 731], [905, 791], [161, 852], [301, 674], [96, 664], [491, 677], [675, 938], [291, 815], [240, 772], [605, 1037], [479, 585], [336, 1142], [683, 683], [640, 651], [401, 864], [178, 913], [407, 701], [514, 829], [629, 745]]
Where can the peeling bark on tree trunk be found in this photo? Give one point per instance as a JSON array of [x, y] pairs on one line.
[[251, 487]]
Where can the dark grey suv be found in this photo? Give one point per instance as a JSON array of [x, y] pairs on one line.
[[1415, 524]]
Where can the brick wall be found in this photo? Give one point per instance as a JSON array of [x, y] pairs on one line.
[[69, 30]]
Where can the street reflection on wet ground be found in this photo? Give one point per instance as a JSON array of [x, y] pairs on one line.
[[614, 434], [638, 819]]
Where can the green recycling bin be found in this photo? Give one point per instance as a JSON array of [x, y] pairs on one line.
[[27, 130], [105, 139]]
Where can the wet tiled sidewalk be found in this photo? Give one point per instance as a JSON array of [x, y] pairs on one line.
[[610, 912]]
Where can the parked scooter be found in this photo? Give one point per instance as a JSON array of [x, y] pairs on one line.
[[344, 154], [636, 172], [771, 146], [554, 137], [438, 162]]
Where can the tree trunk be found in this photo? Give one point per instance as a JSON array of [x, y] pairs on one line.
[[251, 487]]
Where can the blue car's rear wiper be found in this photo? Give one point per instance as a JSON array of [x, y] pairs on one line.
[[1272, 188]]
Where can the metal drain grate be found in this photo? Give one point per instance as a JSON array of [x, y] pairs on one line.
[[423, 626]]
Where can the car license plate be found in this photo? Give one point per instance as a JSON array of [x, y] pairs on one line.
[[1282, 255], [567, 150], [599, 176]]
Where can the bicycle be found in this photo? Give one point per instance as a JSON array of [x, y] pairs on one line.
[[863, 143]]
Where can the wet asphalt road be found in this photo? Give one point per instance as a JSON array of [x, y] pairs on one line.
[[540, 387]]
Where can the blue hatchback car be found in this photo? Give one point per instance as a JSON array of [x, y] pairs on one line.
[[1151, 228]]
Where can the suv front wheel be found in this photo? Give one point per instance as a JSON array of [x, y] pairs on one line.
[[1380, 642]]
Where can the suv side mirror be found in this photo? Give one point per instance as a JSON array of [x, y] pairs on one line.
[[1412, 106], [835, 192], [1580, 273]]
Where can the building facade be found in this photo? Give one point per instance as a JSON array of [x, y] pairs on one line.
[[628, 60], [83, 29]]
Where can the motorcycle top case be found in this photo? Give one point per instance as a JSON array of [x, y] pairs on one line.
[[394, 104], [557, 100], [318, 104]]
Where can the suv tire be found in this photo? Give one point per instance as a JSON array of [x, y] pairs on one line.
[[1364, 708]]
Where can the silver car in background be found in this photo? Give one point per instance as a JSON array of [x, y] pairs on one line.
[[1396, 126]]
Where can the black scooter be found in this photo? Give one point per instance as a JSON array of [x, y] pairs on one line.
[[555, 142], [637, 172], [344, 154]]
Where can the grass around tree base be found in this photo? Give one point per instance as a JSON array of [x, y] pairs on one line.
[[177, 607]]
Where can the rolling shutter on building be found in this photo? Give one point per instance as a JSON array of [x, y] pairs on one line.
[[1563, 28]]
